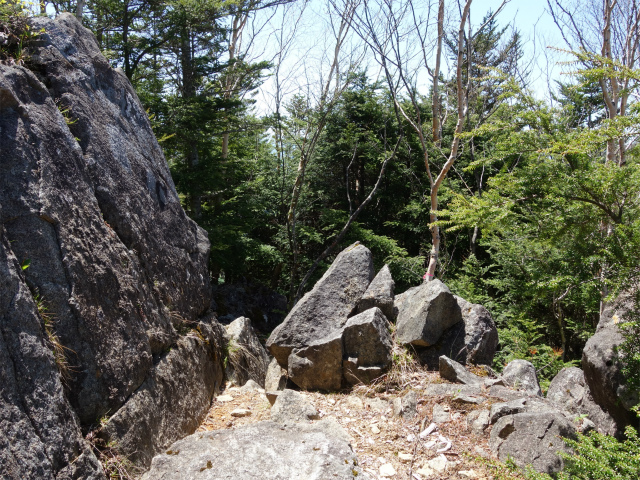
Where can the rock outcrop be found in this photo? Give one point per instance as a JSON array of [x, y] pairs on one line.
[[40, 434], [602, 365], [367, 346], [89, 204], [462, 331], [319, 345], [521, 375]]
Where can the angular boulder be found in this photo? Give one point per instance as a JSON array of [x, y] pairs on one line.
[[521, 375], [569, 391], [379, 294], [455, 372], [318, 366], [262, 451], [248, 359], [474, 340], [308, 343], [532, 439], [367, 345], [426, 313]]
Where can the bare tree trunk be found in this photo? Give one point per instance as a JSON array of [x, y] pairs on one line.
[[462, 110]]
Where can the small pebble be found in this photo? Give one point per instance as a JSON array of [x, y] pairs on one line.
[[224, 398], [375, 429]]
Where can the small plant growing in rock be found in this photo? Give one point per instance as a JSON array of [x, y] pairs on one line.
[[54, 342], [15, 32]]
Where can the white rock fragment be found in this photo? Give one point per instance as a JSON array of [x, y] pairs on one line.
[[405, 457], [387, 470], [439, 463], [224, 398], [446, 444], [374, 429], [469, 473], [240, 412], [427, 472], [428, 431]]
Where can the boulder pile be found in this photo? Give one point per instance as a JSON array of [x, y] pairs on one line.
[[339, 333]]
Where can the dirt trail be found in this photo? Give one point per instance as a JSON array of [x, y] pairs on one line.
[[378, 437]]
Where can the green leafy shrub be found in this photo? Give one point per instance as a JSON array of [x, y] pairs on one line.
[[598, 457]]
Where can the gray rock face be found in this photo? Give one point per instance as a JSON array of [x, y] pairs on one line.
[[569, 391], [426, 313], [39, 433], [532, 438], [474, 340], [173, 401], [454, 372], [603, 375], [521, 374], [248, 359], [324, 310], [116, 261], [379, 294], [263, 451], [291, 406], [400, 299], [367, 340], [92, 216]]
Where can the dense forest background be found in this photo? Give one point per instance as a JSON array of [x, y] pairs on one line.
[[416, 133]]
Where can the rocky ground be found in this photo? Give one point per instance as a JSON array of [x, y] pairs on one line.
[[387, 445]]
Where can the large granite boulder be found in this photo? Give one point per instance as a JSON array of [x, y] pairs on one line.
[[569, 391], [247, 359], [532, 439], [262, 451], [90, 204], [474, 340], [309, 341], [40, 434], [426, 313], [379, 294]]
